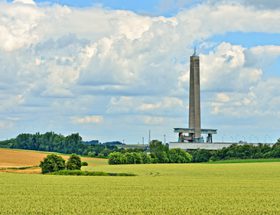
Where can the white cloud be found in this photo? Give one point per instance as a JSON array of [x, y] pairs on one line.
[[88, 120], [19, 25], [224, 69], [151, 120], [270, 4], [262, 55], [222, 97], [30, 2], [11, 102], [124, 104], [177, 5], [73, 61], [234, 78], [261, 100], [6, 124], [166, 103]]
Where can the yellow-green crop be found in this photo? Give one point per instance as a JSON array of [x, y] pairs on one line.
[[245, 188]]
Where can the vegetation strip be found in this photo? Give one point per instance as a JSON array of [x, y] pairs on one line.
[[264, 160], [18, 168], [155, 152], [87, 173]]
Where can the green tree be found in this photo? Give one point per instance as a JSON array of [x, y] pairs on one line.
[[160, 157], [130, 158], [116, 158], [201, 155], [159, 152], [145, 157], [157, 146], [179, 156], [52, 163], [84, 163], [74, 162], [137, 157]]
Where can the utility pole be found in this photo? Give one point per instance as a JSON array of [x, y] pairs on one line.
[[143, 140], [164, 139], [149, 136]]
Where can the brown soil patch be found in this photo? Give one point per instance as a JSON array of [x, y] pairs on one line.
[[21, 158], [14, 158], [34, 170]]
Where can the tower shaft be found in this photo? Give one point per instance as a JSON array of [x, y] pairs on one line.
[[194, 98]]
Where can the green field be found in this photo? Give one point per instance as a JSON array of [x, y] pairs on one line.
[[260, 160], [241, 188]]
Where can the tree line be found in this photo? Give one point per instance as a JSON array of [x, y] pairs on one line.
[[53, 142], [156, 152], [236, 151], [159, 153]]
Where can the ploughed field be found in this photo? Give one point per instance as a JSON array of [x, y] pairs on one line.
[[239, 188]]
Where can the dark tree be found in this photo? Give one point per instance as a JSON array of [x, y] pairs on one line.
[[179, 156], [74, 162], [84, 163], [157, 146], [52, 163], [117, 158], [130, 158], [201, 155], [145, 157]]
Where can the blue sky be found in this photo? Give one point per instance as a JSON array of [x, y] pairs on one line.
[[151, 7], [248, 39], [137, 6], [113, 70]]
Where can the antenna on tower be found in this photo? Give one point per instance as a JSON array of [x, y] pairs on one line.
[[194, 51]]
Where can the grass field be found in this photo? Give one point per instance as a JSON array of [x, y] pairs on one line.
[[261, 160], [238, 188]]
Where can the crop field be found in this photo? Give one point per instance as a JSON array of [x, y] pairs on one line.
[[19, 158], [12, 159], [239, 188]]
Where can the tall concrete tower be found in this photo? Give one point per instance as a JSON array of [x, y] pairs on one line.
[[194, 98], [193, 134]]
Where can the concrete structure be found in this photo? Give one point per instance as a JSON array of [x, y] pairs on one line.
[[191, 138], [193, 134], [194, 99], [208, 146], [182, 137]]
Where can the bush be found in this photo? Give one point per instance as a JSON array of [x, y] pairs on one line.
[[201, 155], [84, 163], [52, 163], [157, 146], [146, 158], [133, 158], [117, 158], [87, 173], [275, 153], [179, 156], [129, 158], [160, 157], [137, 158], [74, 162]]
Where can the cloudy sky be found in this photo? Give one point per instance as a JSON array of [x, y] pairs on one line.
[[112, 70]]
